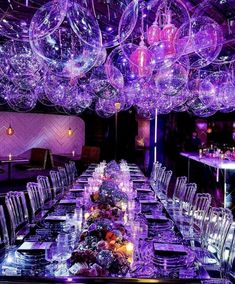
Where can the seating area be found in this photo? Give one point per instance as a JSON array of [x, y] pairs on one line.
[[210, 230]]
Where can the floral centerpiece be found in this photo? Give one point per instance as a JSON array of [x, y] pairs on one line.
[[103, 248]]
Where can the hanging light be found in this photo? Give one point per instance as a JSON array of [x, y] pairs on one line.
[[154, 32], [70, 132], [168, 36], [10, 131], [141, 60]]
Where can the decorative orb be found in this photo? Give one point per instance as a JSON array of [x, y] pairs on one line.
[[226, 54], [21, 58], [21, 100], [207, 41], [101, 85], [161, 20], [60, 91], [142, 61], [4, 65], [16, 16], [42, 97], [101, 57], [112, 105], [5, 87], [216, 90], [108, 15], [100, 112], [117, 60], [67, 54], [84, 24], [171, 80], [105, 258], [145, 113], [83, 98]]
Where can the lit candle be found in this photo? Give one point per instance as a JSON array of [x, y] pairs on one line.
[[73, 153], [10, 157], [86, 215], [129, 251], [200, 153], [222, 156]]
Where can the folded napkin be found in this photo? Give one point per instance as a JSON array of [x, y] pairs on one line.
[[56, 218], [34, 246], [169, 249]]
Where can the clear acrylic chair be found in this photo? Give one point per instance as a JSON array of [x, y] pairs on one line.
[[164, 185], [47, 191], [74, 168], [216, 227], [192, 227], [63, 176], [227, 269], [19, 218], [57, 184], [70, 174], [154, 172], [178, 193], [4, 237], [36, 199]]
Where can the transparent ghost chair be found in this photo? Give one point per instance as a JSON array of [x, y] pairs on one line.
[[46, 190], [227, 269], [19, 218], [57, 184], [70, 173], [178, 193], [216, 227], [183, 212], [192, 225], [74, 168], [162, 193], [63, 176], [155, 172], [36, 199], [4, 238], [159, 178]]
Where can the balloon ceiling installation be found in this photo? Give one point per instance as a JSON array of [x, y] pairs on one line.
[[110, 55]]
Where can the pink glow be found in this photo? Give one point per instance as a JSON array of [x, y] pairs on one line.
[[40, 130]]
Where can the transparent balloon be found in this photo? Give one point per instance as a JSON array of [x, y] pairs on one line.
[[159, 23], [16, 16], [226, 54], [100, 84], [206, 43], [21, 100], [171, 80], [67, 54]]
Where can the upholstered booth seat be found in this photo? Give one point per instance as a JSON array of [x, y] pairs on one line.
[[90, 154], [40, 159]]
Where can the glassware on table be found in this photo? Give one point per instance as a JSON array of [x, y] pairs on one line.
[[63, 253]]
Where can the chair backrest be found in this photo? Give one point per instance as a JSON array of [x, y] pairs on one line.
[[90, 154], [190, 191], [4, 237], [38, 157], [201, 205], [58, 186], [63, 176], [217, 225], [18, 212], [166, 181], [74, 168], [160, 174], [70, 173], [44, 183], [36, 198], [180, 188], [230, 261], [155, 171]]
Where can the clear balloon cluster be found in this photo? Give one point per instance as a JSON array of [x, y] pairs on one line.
[[108, 56]]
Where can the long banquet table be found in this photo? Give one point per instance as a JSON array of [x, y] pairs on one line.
[[26, 262]]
